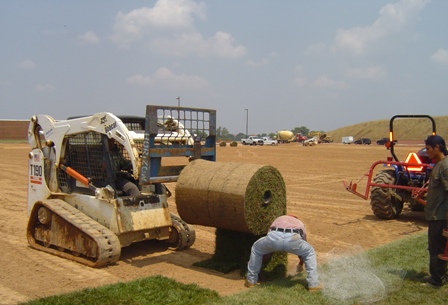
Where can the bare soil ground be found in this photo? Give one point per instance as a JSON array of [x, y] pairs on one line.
[[315, 192]]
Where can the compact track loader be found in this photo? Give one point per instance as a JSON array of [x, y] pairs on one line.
[[76, 209]]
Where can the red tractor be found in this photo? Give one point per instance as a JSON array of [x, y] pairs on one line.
[[399, 182]]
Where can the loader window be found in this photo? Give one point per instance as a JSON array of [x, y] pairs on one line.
[[85, 154]]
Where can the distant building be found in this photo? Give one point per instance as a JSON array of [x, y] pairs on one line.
[[14, 129]]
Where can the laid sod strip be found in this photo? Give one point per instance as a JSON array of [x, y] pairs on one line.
[[151, 290], [232, 252]]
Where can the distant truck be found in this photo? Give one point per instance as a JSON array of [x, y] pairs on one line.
[[300, 137], [365, 141], [310, 142], [252, 140], [347, 140], [269, 141], [285, 136]]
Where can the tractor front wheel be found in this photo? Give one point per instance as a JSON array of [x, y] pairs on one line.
[[384, 205]]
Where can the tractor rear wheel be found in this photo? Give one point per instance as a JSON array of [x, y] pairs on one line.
[[384, 205]]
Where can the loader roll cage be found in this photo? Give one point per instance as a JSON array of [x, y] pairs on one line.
[[393, 163]]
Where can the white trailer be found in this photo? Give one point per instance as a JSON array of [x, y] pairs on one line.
[[347, 140]]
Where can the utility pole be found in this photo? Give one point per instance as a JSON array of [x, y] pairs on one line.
[[247, 122], [178, 101]]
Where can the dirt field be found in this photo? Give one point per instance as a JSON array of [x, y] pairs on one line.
[[313, 176]]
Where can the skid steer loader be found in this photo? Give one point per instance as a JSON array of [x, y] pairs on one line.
[[76, 209]]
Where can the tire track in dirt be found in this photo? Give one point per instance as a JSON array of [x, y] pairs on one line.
[[6, 204], [10, 297], [240, 154], [70, 269], [44, 266], [254, 154], [245, 154]]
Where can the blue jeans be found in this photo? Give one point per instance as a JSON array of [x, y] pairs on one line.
[[279, 241]]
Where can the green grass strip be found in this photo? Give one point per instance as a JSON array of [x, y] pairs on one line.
[[409, 255], [151, 290]]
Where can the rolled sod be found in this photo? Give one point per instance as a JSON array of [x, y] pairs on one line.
[[241, 201], [234, 196]]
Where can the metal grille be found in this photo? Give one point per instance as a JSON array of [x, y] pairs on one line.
[[63, 179], [175, 132], [136, 126], [86, 156], [182, 126], [124, 152]]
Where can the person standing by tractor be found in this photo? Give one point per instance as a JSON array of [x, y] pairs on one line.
[[286, 233], [436, 210]]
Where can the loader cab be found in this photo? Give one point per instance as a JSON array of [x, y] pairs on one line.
[[89, 154]]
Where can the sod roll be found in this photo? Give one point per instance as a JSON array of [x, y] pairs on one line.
[[233, 196]]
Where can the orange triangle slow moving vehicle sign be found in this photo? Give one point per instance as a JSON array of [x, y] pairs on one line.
[[413, 158]]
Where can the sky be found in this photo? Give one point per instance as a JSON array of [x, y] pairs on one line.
[[322, 64]]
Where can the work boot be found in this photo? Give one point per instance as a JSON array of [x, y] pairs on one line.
[[429, 280], [250, 285], [316, 288], [431, 285], [426, 278]]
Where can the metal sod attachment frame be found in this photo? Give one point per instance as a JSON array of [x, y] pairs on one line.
[[175, 132]]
